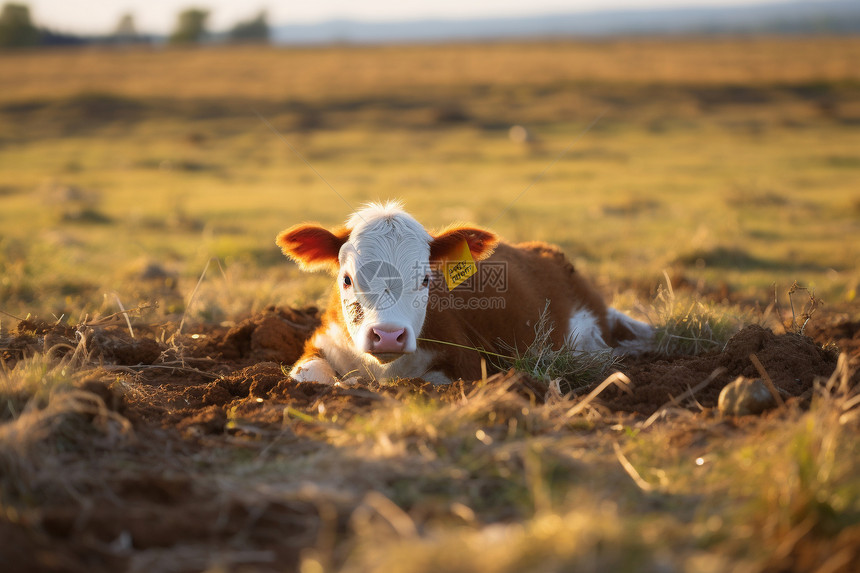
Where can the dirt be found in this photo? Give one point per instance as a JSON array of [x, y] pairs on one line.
[[840, 332], [200, 390], [792, 361], [276, 334]]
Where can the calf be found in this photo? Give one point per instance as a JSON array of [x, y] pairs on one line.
[[391, 314]]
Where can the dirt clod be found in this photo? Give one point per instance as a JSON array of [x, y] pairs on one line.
[[215, 393], [277, 334], [257, 380], [112, 398], [32, 336]]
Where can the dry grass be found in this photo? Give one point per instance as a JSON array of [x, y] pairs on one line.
[[798, 488], [308, 74], [45, 412], [496, 476]]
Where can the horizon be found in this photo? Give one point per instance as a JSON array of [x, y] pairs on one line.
[[157, 17]]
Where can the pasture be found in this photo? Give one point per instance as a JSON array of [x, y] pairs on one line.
[[147, 319]]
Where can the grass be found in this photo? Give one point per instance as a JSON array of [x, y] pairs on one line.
[[565, 368], [34, 379], [691, 327], [46, 412], [798, 490], [717, 162], [692, 167], [804, 313]]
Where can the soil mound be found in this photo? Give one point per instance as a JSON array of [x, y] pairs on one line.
[[111, 344], [792, 361]]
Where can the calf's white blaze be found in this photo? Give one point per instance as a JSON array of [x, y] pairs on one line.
[[386, 257]]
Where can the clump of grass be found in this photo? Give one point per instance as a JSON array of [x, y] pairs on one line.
[[689, 328], [34, 379], [818, 463], [43, 412], [32, 382], [35, 446], [802, 489], [572, 368], [575, 368]]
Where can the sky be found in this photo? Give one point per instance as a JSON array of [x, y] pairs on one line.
[[158, 16]]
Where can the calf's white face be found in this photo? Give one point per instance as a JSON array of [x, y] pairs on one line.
[[384, 261], [384, 279]]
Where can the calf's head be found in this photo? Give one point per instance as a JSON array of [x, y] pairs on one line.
[[385, 262]]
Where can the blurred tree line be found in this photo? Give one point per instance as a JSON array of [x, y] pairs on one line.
[[191, 28], [16, 27], [17, 30], [255, 30]]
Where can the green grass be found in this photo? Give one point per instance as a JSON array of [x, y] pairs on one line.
[[591, 207], [691, 327], [676, 175], [565, 368]]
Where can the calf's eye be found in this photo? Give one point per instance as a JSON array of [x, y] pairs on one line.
[[347, 281]]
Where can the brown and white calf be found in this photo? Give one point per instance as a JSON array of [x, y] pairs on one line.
[[390, 309]]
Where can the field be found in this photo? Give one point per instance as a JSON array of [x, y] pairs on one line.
[[147, 318]]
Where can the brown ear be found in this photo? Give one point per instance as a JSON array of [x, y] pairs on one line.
[[313, 247], [481, 243]]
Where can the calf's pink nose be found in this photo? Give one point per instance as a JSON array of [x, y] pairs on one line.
[[387, 340]]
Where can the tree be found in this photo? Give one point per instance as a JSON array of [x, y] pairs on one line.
[[125, 30], [255, 30], [16, 27], [190, 27]]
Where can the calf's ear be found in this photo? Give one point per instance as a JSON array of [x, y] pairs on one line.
[[448, 243], [313, 247]]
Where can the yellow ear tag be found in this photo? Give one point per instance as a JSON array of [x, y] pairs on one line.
[[460, 266]]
